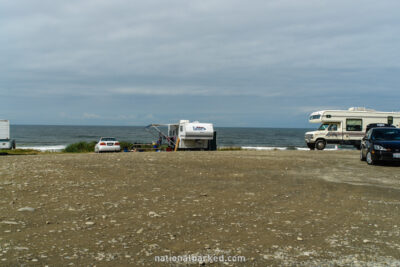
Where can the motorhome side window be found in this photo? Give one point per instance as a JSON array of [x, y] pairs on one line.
[[323, 126], [181, 128], [315, 117], [333, 127], [353, 125], [390, 120]]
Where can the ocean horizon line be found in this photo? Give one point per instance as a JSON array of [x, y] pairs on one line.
[[85, 125]]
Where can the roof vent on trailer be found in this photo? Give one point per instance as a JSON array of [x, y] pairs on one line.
[[360, 109]]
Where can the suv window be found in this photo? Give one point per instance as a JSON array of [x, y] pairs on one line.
[[386, 134], [368, 134]]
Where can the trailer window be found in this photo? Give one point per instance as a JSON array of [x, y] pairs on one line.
[[354, 125]]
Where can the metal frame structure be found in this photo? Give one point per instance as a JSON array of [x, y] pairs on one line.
[[156, 128]]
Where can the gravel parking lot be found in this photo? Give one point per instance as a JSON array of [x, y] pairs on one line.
[[321, 208]]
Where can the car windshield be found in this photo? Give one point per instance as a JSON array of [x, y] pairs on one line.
[[386, 134], [108, 139], [323, 126]]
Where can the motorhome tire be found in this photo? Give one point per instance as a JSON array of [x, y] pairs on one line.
[[369, 159], [320, 144]]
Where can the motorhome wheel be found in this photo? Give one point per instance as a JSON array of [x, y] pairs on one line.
[[369, 159], [311, 146], [320, 144]]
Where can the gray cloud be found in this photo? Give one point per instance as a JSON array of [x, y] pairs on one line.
[[263, 58]]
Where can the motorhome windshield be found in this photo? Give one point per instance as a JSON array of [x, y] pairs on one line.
[[315, 117], [323, 127]]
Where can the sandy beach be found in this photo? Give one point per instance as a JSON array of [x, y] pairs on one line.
[[321, 208]]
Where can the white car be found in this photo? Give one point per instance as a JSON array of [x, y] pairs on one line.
[[107, 144]]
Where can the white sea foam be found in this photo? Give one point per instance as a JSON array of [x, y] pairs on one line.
[[290, 148], [302, 148], [264, 148], [44, 148], [58, 148]]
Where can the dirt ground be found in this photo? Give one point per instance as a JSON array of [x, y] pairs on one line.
[[310, 208]]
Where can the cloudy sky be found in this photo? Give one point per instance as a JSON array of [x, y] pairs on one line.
[[261, 63]]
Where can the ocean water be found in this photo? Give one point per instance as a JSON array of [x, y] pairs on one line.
[[47, 137]]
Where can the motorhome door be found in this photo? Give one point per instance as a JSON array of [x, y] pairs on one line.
[[335, 132]]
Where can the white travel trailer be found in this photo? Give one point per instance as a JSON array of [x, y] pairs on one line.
[[345, 126], [5, 141], [187, 135]]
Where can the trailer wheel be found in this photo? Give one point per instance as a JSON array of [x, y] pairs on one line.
[[320, 144]]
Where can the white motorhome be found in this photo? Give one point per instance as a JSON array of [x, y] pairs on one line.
[[187, 135], [5, 141], [345, 126]]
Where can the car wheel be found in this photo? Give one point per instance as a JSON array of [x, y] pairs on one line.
[[320, 144], [362, 157], [369, 158]]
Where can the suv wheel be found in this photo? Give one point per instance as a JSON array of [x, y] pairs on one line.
[[320, 144], [369, 159], [362, 157]]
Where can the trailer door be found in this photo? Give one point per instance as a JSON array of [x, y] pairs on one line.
[[4, 129]]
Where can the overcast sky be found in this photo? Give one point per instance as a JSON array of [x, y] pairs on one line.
[[261, 63]]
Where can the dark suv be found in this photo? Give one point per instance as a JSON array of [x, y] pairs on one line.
[[381, 144], [375, 125]]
